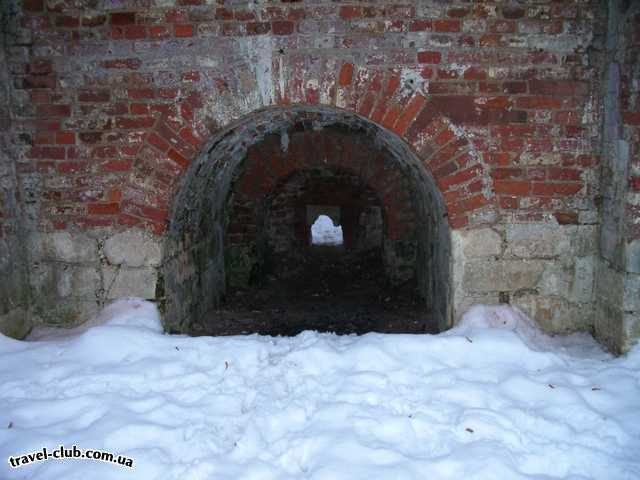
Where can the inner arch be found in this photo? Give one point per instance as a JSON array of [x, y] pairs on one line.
[[220, 238]]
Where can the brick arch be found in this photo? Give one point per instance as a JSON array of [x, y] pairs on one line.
[[390, 98], [194, 264]]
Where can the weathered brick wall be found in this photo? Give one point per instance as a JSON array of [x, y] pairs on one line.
[[501, 101], [352, 167]]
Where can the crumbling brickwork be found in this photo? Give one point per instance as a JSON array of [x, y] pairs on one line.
[[113, 100]]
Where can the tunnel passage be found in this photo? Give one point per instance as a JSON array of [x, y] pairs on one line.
[[240, 254]]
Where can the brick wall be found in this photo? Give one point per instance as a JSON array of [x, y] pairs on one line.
[[500, 100], [322, 167]]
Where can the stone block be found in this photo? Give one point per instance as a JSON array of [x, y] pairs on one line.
[[132, 248], [633, 256], [583, 280], [607, 322], [72, 248], [502, 275], [585, 240], [555, 314], [77, 281], [477, 243], [631, 331], [609, 283], [555, 280], [538, 240], [631, 293], [15, 323], [122, 282], [67, 313]]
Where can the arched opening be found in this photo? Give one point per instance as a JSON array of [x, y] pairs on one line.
[[325, 233], [240, 252]]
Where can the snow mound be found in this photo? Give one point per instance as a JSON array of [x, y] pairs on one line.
[[132, 312], [492, 398]]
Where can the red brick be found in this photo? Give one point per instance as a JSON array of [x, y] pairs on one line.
[[132, 32], [563, 173], [508, 203], [111, 208], [512, 187], [158, 31], [224, 14], [446, 26], [391, 116], [348, 12], [458, 12], [67, 21], [93, 20], [190, 76], [104, 151], [346, 74], [178, 158], [54, 110], [33, 5], [631, 118], [444, 137], [111, 166], [134, 122], [139, 109], [513, 11], [467, 205], [410, 112], [475, 73], [282, 27], [540, 102], [46, 81], [258, 28], [71, 167], [507, 173], [38, 96], [94, 96], [566, 218], [458, 221], [183, 30], [53, 153], [420, 26], [40, 67], [553, 189], [514, 87], [123, 18], [90, 137], [429, 57], [558, 87], [65, 138], [140, 93], [502, 26], [460, 177]]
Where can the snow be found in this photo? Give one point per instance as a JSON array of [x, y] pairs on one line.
[[323, 232], [493, 398]]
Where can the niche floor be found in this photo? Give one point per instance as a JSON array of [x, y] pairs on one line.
[[334, 292]]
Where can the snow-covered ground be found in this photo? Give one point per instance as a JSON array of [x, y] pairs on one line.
[[491, 399]]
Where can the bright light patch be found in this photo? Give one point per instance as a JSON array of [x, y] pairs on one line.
[[324, 233]]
